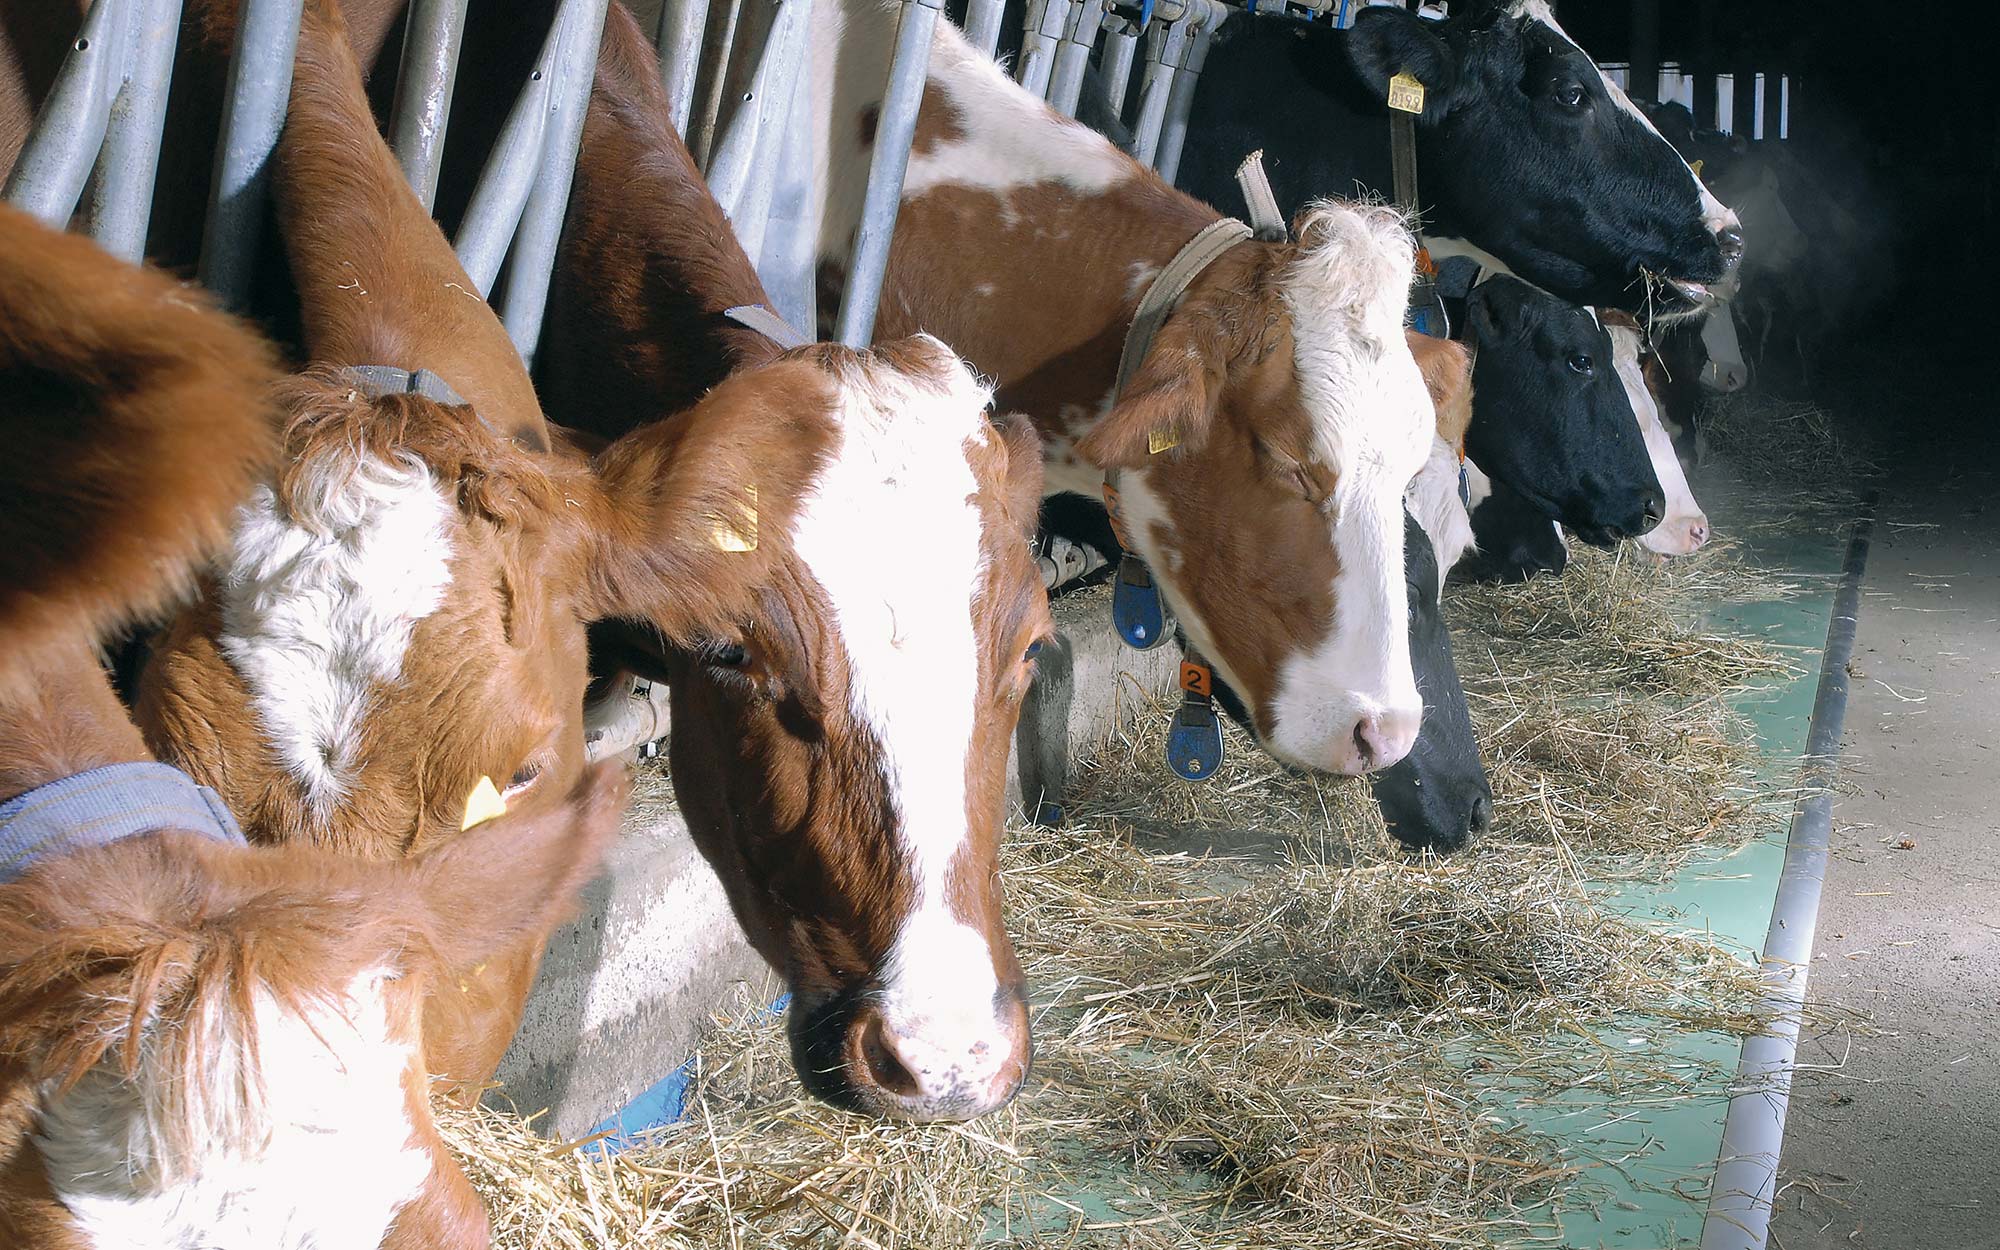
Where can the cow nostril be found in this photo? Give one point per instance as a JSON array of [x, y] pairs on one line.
[[1730, 240], [1364, 750], [1482, 815], [885, 1067]]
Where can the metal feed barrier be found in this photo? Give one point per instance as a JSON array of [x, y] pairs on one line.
[[735, 75]]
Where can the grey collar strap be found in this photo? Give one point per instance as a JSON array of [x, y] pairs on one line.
[[767, 323], [103, 806], [374, 380], [1169, 285]]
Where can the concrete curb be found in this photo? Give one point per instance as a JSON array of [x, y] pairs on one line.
[[627, 987]]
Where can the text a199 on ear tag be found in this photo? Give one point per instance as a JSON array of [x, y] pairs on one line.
[[738, 533], [1406, 94]]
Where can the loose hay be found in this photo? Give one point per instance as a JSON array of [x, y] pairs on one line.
[[1258, 1024]]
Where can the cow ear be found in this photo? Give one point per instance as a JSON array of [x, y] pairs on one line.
[[518, 873], [696, 510], [1388, 40], [1169, 405], [1024, 468], [1447, 370]]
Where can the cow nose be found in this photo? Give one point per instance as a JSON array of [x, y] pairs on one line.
[[1697, 532], [1656, 505], [1379, 738], [1482, 815], [1730, 240], [956, 1075]]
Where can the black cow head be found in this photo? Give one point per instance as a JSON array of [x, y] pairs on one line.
[[1550, 417], [1530, 153], [1436, 797]]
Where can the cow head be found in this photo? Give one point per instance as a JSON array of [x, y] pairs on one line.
[[1515, 539], [1274, 519], [1551, 419], [1437, 796], [1528, 150], [1684, 528], [841, 753]]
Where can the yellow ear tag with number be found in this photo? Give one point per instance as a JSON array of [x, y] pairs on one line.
[[1161, 440], [1406, 94], [738, 533], [484, 803]]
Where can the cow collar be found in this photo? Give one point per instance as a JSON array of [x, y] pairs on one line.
[[378, 380], [767, 323], [106, 805]]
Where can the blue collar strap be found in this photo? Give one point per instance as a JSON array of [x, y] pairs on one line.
[[103, 806]]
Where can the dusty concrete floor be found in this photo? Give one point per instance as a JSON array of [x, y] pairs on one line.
[[1894, 1135]]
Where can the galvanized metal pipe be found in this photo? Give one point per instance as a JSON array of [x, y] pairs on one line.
[[718, 44], [788, 263], [62, 146], [1086, 22], [120, 192], [895, 127], [494, 213], [1166, 47], [1206, 19], [982, 24], [1121, 45], [581, 27], [424, 85], [253, 112], [743, 172], [1042, 32], [682, 23]]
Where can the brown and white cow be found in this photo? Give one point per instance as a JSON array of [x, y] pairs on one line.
[[402, 610], [201, 1042], [1275, 525], [840, 755]]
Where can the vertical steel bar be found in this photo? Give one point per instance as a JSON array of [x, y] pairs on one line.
[[48, 176], [1115, 75], [121, 194], [534, 254], [1086, 22], [424, 85], [1180, 99], [494, 212], [681, 25], [894, 131], [717, 44], [253, 112], [743, 172], [789, 261], [1166, 44], [982, 23], [1042, 32]]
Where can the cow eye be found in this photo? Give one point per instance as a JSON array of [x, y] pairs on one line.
[[725, 655], [524, 776], [1582, 365], [1570, 95], [1034, 649]]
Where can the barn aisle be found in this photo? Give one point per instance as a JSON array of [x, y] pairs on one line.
[[1894, 1133]]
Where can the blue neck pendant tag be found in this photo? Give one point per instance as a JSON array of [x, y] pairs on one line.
[[1137, 612], [1194, 740]]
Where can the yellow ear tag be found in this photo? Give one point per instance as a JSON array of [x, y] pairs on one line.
[[484, 803], [1158, 441], [738, 533], [1695, 165], [1406, 94]]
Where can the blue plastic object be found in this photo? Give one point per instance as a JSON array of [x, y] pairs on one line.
[[1138, 612], [1194, 741]]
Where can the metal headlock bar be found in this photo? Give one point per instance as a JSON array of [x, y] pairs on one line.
[[100, 128], [424, 84]]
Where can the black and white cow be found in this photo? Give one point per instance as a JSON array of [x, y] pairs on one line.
[[1529, 158], [1551, 419]]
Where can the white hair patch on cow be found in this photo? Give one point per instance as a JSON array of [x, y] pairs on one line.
[[1716, 215], [1373, 422], [1433, 499], [320, 597], [1683, 528], [892, 533], [298, 1140]]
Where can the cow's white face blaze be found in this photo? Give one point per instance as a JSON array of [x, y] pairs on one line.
[[1683, 528]]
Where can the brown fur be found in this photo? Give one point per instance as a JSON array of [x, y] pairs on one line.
[[134, 418], [1447, 369], [781, 785]]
